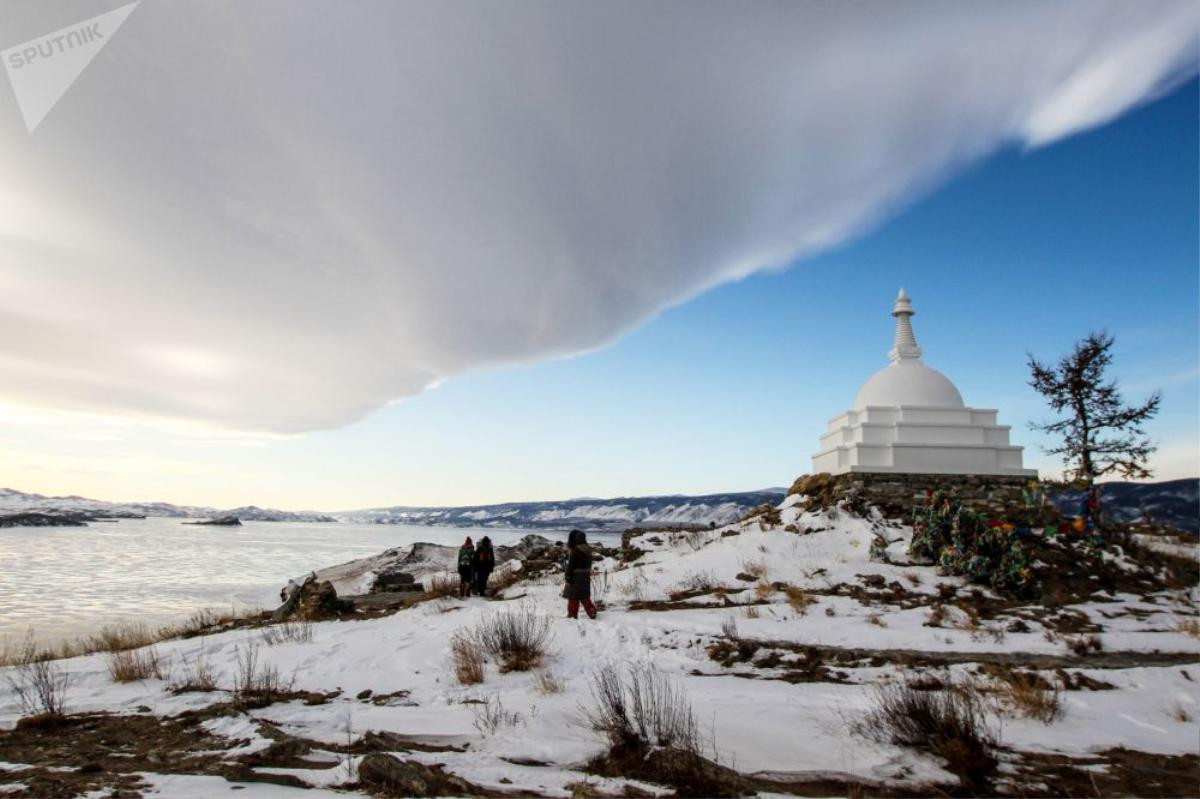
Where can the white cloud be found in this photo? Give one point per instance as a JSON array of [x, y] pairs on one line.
[[281, 216]]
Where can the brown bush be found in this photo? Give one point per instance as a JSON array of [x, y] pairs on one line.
[[948, 723], [468, 659], [442, 585], [1028, 695], [517, 638], [652, 734], [798, 599]]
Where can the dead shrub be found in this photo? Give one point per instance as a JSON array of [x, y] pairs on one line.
[[442, 585], [38, 682], [257, 684], [136, 664], [517, 638], [491, 716], [949, 723], [641, 709], [729, 628], [1084, 644], [295, 632], [124, 637], [652, 733], [468, 659], [937, 615], [1027, 694], [547, 682], [198, 675], [755, 568], [697, 581], [798, 599]]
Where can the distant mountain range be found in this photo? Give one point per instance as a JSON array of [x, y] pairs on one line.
[[19, 502], [1174, 502], [619, 513]]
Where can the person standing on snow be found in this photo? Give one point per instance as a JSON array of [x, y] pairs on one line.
[[485, 561], [579, 576], [466, 561]]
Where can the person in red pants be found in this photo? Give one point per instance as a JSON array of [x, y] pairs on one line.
[[579, 576]]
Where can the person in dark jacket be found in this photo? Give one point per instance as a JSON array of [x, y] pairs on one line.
[[485, 561], [579, 576], [466, 565]]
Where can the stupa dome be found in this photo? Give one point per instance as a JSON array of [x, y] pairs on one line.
[[908, 382], [910, 419]]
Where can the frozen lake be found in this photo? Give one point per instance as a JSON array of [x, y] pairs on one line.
[[68, 581]]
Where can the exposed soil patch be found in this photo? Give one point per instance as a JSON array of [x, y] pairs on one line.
[[1114, 772]]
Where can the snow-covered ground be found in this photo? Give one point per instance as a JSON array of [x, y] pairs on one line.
[[762, 722]]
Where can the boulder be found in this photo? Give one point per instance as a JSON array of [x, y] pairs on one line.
[[387, 775], [312, 600]]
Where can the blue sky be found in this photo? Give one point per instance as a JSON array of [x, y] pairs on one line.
[[471, 256], [1026, 252]]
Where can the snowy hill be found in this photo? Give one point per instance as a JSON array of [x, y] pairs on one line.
[[12, 501], [780, 633], [617, 513]]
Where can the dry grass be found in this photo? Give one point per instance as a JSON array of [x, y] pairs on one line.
[[1027, 694], [752, 612], [198, 675], [798, 599], [1190, 627], [257, 684], [877, 620], [756, 568], [442, 585], [547, 682], [913, 578], [764, 590], [1085, 644], [132, 665], [491, 716], [729, 628], [517, 638], [468, 659], [697, 581], [949, 723], [119, 638], [295, 632], [652, 733], [39, 683]]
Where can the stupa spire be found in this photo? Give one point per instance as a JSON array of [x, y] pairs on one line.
[[905, 345]]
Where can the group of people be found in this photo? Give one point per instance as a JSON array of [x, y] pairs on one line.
[[476, 562]]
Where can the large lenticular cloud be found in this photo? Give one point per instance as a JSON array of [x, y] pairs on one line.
[[279, 216]]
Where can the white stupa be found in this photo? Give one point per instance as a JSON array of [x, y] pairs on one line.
[[911, 419]]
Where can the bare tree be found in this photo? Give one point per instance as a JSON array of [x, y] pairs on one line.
[[1098, 433]]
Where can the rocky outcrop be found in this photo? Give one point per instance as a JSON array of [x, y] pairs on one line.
[[897, 494], [387, 775], [220, 521], [313, 599], [45, 520]]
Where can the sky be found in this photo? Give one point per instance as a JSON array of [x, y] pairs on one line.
[[373, 254]]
